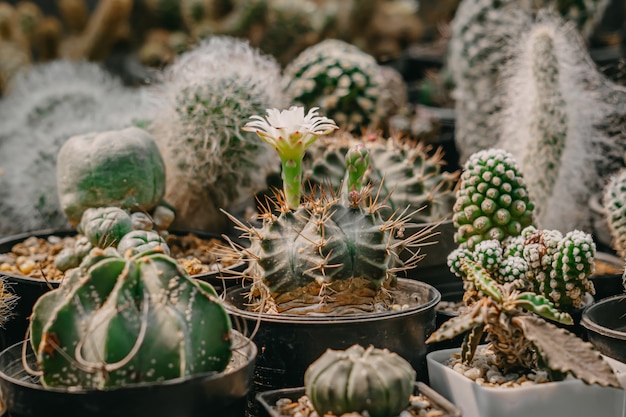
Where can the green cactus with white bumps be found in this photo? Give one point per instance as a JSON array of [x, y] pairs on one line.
[[120, 321], [413, 175], [492, 201], [518, 334], [340, 79], [359, 379], [614, 203]]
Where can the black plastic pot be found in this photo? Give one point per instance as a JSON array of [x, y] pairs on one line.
[[608, 284], [288, 344], [268, 400], [605, 322], [219, 394]]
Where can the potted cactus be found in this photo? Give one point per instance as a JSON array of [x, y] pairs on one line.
[[125, 335], [324, 266], [358, 381]]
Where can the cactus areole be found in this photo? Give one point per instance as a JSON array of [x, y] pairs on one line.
[[117, 321], [116, 168]]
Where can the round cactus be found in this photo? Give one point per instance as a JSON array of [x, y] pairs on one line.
[[118, 321], [340, 79], [139, 241], [492, 201], [614, 202], [116, 168], [105, 226], [356, 380]]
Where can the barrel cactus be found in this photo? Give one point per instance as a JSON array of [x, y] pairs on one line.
[[359, 379], [122, 168], [119, 321], [492, 201], [325, 252], [413, 174], [519, 335], [105, 226], [614, 202], [340, 79]]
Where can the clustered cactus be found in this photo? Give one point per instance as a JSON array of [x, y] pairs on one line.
[[520, 337], [326, 252], [340, 79], [404, 173], [116, 321]]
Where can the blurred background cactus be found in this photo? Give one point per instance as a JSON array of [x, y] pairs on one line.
[[614, 202]]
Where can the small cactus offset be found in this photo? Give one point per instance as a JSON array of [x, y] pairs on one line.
[[359, 379], [492, 201], [121, 321], [614, 203], [519, 335], [340, 79]]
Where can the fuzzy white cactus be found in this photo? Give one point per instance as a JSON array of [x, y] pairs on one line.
[[205, 99]]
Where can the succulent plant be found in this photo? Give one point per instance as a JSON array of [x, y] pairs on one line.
[[200, 108], [614, 203], [359, 379], [120, 321], [324, 252], [492, 201], [340, 79], [105, 226], [519, 335], [413, 175], [205, 18]]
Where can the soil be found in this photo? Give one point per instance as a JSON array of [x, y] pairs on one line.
[[34, 257]]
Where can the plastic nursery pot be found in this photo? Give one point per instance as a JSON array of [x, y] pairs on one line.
[[268, 400], [605, 322], [220, 394], [570, 397], [288, 344], [607, 280]]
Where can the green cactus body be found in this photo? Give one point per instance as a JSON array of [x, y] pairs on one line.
[[340, 79], [492, 201], [139, 241], [121, 321], [358, 380], [117, 168], [413, 178], [614, 203], [105, 226]]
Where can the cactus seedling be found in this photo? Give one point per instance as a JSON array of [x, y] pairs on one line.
[[519, 338]]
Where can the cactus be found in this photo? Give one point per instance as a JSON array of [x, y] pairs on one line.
[[492, 201], [555, 107], [45, 106], [323, 253], [519, 335], [340, 79], [357, 379], [211, 163], [205, 18], [105, 226], [614, 203], [122, 321], [138, 241], [413, 175]]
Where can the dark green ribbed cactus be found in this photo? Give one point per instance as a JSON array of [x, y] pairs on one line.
[[614, 202], [413, 176], [117, 321], [492, 201], [358, 379]]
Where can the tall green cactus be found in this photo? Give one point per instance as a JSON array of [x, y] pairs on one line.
[[119, 321], [614, 202]]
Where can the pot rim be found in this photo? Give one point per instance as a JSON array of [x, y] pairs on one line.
[[592, 325], [245, 347], [434, 298]]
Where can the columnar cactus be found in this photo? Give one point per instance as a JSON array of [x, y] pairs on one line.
[[614, 202], [492, 201], [519, 336], [358, 379], [413, 175], [200, 108], [119, 321], [340, 79]]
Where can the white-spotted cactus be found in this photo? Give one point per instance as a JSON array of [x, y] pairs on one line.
[[201, 106], [359, 379], [614, 202], [120, 321]]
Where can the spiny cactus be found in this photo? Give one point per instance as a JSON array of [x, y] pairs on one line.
[[555, 104], [200, 109], [323, 253], [519, 338], [44, 107], [340, 79], [413, 175], [614, 202], [122, 321], [358, 379], [492, 201]]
